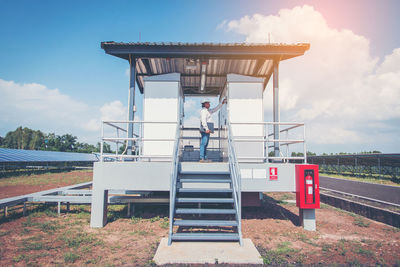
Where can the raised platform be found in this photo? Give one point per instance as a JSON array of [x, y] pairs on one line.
[[207, 253]]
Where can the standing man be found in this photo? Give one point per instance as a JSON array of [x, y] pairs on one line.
[[205, 124]]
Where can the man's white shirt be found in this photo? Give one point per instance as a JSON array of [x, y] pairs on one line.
[[205, 115]]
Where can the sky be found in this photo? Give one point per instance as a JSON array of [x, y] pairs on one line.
[[55, 77]]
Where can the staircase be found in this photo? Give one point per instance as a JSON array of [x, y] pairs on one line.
[[205, 204]]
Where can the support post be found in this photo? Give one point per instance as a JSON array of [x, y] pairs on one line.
[[68, 207], [131, 102], [59, 208], [5, 211], [98, 215], [131, 210], [307, 219], [24, 210], [276, 107]]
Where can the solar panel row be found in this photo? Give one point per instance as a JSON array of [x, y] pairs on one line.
[[20, 155], [390, 160]]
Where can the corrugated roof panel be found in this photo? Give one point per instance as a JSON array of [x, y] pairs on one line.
[[222, 58]]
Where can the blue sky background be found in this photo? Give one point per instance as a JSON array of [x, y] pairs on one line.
[[57, 43]]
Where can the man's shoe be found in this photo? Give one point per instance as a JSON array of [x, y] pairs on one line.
[[202, 161]]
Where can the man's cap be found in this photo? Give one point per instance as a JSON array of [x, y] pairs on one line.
[[205, 100]]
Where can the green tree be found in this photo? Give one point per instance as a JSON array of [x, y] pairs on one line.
[[25, 138], [85, 148], [106, 148]]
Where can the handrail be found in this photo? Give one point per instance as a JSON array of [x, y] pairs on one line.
[[159, 122], [174, 177], [236, 181], [137, 138], [269, 140], [269, 123]]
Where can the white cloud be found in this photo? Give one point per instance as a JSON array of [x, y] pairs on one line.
[[192, 109], [192, 121], [337, 87], [38, 107]]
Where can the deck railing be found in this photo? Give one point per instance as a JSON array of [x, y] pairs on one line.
[[236, 181], [269, 141], [174, 178], [135, 143]]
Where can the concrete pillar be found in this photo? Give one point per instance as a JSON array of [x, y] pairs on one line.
[[98, 215], [307, 219]]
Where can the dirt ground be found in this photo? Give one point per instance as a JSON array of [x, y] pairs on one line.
[[45, 239], [26, 184]]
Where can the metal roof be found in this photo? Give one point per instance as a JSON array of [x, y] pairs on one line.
[[220, 59]]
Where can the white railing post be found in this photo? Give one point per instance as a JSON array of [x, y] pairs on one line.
[[174, 176], [117, 143], [304, 143], [102, 142], [236, 180]]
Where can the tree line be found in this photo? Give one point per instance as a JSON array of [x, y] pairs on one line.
[[25, 138]]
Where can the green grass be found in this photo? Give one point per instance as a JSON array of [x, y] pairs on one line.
[[280, 255], [353, 262], [341, 247], [70, 257], [155, 219], [18, 258], [135, 220], [359, 221], [391, 229], [369, 179], [28, 245], [71, 177], [139, 232], [75, 239], [303, 238], [164, 223], [48, 227], [4, 233], [364, 252], [28, 222], [326, 247]]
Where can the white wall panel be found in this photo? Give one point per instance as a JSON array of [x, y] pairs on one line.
[[245, 105], [162, 103]]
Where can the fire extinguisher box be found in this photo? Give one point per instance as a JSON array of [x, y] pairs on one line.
[[307, 186]]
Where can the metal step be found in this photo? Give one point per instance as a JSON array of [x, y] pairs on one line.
[[204, 168], [204, 211], [205, 223], [205, 236], [205, 180], [204, 190], [204, 200], [205, 172]]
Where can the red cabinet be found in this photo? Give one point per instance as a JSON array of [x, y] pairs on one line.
[[307, 186]]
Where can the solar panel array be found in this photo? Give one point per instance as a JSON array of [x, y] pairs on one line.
[[20, 155], [390, 160]]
